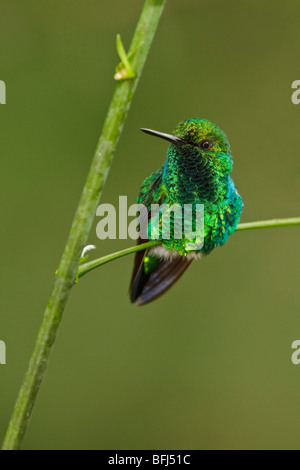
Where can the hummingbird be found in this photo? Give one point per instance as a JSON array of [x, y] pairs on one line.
[[196, 171]]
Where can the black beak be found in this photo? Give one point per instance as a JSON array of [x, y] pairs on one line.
[[170, 138]]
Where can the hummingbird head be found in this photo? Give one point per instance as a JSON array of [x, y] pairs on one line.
[[203, 137], [199, 154], [199, 139]]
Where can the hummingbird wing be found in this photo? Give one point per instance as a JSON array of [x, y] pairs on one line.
[[149, 284]]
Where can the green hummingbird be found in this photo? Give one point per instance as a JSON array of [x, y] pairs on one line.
[[196, 171]]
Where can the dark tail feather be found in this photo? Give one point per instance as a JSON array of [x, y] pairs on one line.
[[147, 287], [139, 277]]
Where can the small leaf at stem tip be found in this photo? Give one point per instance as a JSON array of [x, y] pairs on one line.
[[123, 70]]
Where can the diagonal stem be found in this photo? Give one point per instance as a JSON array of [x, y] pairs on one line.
[[87, 267], [82, 223]]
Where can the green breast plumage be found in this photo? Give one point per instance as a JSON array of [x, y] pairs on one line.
[[220, 217]]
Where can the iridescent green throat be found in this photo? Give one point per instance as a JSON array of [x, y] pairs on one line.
[[191, 176]]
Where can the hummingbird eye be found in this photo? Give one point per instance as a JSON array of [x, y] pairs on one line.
[[206, 144]]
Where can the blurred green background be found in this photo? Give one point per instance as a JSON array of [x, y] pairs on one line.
[[208, 366]]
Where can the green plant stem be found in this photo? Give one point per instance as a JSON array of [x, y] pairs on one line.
[[87, 267], [91, 265], [269, 223], [82, 223]]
